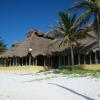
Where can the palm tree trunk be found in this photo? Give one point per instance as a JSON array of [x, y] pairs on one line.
[[98, 30], [72, 58]]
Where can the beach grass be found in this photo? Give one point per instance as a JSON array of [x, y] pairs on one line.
[[81, 70], [84, 67]]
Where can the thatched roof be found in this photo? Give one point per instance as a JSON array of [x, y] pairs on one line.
[[37, 41], [40, 44], [17, 50], [85, 45]]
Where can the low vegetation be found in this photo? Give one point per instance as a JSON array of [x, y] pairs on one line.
[[80, 71]]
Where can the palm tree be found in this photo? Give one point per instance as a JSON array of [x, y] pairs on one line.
[[2, 46], [65, 32], [91, 8]]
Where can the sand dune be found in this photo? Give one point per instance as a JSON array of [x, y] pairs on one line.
[[29, 86]]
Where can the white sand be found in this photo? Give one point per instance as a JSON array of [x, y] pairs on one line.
[[29, 86]]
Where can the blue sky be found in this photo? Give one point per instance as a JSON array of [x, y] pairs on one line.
[[17, 17]]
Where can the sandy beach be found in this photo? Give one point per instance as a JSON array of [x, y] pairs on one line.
[[40, 86]]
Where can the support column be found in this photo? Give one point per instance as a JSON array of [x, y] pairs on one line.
[[33, 61], [68, 59], [5, 61], [36, 61], [64, 60], [90, 58], [51, 61], [22, 61], [10, 62], [44, 62], [26, 60], [59, 61], [0, 61], [78, 59], [13, 61], [84, 60], [18, 61], [96, 60], [29, 59]]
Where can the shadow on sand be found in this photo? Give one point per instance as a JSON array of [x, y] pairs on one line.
[[87, 98]]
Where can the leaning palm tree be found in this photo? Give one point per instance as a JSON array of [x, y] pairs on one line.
[[65, 32], [2, 46], [91, 9]]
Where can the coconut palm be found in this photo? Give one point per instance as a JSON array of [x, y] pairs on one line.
[[2, 46], [65, 32], [91, 8]]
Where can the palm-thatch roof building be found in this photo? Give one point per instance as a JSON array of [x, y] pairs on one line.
[[37, 50]]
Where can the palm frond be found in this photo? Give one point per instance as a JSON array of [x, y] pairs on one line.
[[82, 19], [56, 33], [2, 45], [82, 33], [73, 19], [65, 41], [65, 20], [84, 4]]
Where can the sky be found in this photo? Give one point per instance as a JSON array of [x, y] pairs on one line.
[[17, 17]]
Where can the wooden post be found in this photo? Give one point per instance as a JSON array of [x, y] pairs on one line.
[[9, 61], [36, 61], [29, 59], [0, 61], [22, 61], [64, 59], [96, 60], [68, 59], [19, 61], [84, 60], [5, 62], [13, 61], [90, 58], [26, 60], [51, 61], [59, 61], [33, 61], [78, 59], [44, 61]]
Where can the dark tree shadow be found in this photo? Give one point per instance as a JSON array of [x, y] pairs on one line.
[[86, 97]]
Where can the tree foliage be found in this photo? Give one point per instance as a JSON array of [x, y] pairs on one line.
[[2, 46]]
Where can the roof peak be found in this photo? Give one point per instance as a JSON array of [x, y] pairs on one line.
[[31, 34]]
